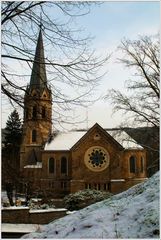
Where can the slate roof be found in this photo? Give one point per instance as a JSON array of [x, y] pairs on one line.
[[38, 75]]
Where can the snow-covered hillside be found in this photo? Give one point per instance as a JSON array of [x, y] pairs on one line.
[[131, 214]]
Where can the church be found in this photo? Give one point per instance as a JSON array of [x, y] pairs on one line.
[[60, 163]]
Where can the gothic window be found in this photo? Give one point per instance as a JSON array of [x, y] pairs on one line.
[[51, 165], [34, 112], [132, 161], [141, 164], [63, 165], [43, 112], [34, 133]]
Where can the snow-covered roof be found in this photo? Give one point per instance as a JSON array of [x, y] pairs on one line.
[[37, 165], [124, 139], [65, 141]]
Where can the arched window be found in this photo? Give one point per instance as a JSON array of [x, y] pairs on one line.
[[141, 164], [34, 133], [51, 165], [132, 164], [63, 165], [43, 112], [34, 112]]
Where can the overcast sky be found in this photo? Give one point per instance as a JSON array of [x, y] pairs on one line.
[[109, 23]]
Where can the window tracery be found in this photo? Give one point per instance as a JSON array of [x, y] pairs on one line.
[[96, 158]]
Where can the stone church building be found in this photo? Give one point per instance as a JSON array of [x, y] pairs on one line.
[[66, 162]]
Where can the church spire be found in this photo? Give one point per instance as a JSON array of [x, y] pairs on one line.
[[38, 77]]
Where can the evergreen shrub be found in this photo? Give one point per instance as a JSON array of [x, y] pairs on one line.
[[81, 199]]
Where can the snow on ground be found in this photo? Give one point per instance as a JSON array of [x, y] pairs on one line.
[[131, 214], [4, 197]]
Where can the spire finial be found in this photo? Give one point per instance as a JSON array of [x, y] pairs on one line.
[[40, 25]]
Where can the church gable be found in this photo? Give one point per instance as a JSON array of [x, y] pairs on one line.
[[45, 94], [97, 134], [93, 156]]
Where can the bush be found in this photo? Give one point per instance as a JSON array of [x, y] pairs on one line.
[[41, 205], [84, 198]]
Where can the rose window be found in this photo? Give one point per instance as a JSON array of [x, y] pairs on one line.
[[96, 158]]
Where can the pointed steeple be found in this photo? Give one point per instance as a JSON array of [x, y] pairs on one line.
[[38, 77]]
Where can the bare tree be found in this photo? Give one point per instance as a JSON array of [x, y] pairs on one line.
[[142, 102], [72, 64]]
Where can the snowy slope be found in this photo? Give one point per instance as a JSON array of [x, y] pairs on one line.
[[131, 214]]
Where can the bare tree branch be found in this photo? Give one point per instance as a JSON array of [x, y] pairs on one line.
[[142, 105], [73, 61]]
